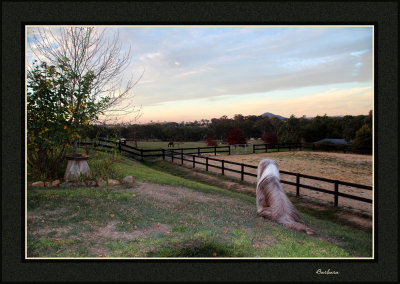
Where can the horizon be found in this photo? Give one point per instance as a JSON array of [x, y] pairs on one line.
[[202, 72], [209, 120]]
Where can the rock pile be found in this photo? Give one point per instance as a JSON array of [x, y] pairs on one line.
[[87, 183]]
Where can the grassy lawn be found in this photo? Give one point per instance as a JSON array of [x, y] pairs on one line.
[[165, 215]]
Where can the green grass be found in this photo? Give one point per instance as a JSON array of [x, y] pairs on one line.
[[238, 150], [186, 219], [164, 144]]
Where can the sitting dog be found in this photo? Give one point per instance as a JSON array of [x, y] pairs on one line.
[[272, 201]]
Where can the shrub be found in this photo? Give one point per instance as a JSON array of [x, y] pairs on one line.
[[211, 142], [236, 136], [270, 138]]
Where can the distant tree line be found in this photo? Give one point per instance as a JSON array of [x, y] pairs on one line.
[[292, 129]]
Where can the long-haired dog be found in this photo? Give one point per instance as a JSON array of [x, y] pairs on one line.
[[272, 201]]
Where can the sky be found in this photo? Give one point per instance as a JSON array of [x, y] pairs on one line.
[[202, 72]]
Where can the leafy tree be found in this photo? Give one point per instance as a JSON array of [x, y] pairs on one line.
[[57, 114], [363, 139], [236, 136], [270, 138], [289, 132], [211, 142]]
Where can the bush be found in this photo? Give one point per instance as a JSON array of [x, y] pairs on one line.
[[270, 138], [211, 142], [363, 140], [236, 136]]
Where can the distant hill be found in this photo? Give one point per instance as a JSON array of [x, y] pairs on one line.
[[271, 115]]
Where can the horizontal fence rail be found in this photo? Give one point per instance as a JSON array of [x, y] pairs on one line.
[[143, 153], [205, 161]]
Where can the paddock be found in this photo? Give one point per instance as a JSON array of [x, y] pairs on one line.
[[350, 168]]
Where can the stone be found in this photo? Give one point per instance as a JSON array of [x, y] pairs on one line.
[[47, 183], [101, 182], [111, 181], [38, 184], [128, 180], [55, 182], [79, 184]]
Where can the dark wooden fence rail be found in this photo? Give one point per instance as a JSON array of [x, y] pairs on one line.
[[277, 146], [194, 159]]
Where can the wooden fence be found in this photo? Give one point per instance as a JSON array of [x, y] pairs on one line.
[[277, 146], [145, 153], [205, 161], [195, 158]]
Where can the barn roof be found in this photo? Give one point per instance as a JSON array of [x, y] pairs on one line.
[[332, 140]]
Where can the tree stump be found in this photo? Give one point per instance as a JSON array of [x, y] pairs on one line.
[[77, 166]]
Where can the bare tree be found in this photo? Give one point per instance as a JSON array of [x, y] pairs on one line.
[[84, 49]]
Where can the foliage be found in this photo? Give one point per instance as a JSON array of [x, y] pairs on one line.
[[235, 136], [57, 113], [292, 129], [363, 139], [211, 142], [270, 138]]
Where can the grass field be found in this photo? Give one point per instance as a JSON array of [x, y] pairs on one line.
[[166, 215], [235, 150], [164, 144]]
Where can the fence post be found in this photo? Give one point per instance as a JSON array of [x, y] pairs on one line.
[[163, 154], [119, 146], [223, 162], [229, 150], [242, 172], [182, 156], [206, 164], [141, 154], [194, 161], [215, 151], [172, 156], [297, 184], [336, 194], [266, 149], [254, 149], [198, 151]]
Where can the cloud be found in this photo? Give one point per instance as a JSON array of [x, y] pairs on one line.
[[189, 63], [334, 101], [196, 71]]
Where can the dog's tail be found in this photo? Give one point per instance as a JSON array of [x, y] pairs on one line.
[[293, 221]]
